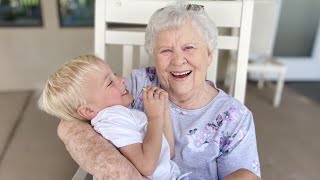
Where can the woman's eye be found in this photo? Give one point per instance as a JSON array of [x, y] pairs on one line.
[[165, 50], [189, 47]]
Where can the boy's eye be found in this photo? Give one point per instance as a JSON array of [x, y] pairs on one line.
[[110, 83]]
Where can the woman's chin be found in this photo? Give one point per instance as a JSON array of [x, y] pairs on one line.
[[180, 92]]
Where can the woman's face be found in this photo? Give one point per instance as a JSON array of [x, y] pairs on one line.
[[181, 59]]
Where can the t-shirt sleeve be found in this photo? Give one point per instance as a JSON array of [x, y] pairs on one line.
[[131, 83], [238, 147], [138, 79], [119, 127]]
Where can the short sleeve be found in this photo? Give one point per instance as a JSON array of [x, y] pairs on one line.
[[137, 80], [132, 81], [238, 147], [119, 126]]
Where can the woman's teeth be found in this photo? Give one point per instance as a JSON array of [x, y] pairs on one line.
[[181, 74]]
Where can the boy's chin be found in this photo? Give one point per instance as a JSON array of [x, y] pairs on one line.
[[130, 100]]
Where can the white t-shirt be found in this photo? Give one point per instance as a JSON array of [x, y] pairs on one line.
[[123, 126]]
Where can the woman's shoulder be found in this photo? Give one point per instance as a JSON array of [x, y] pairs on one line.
[[138, 79], [145, 72], [228, 99], [228, 103]]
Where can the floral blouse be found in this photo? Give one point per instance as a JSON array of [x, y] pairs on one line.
[[210, 142]]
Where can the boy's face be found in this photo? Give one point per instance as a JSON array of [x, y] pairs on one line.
[[105, 89]]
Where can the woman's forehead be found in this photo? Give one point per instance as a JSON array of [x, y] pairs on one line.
[[186, 32]]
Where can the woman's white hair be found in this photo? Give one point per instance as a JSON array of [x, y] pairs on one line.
[[173, 17]]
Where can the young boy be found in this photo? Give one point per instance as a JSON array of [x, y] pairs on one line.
[[85, 88]]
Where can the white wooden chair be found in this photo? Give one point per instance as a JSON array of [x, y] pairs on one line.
[[262, 65], [261, 62], [225, 14]]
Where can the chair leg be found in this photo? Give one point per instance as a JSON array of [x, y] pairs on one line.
[[143, 57], [280, 84], [127, 56], [228, 74], [261, 80], [80, 175], [231, 88]]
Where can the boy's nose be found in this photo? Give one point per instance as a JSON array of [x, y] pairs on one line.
[[120, 81]]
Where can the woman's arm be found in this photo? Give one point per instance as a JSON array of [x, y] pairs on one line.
[[94, 154], [241, 174]]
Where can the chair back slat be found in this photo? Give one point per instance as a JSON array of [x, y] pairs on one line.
[[223, 13], [137, 38]]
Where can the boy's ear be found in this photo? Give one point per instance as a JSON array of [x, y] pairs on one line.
[[86, 112]]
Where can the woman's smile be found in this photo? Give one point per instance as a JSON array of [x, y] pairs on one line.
[[180, 75]]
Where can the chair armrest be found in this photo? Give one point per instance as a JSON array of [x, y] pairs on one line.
[[95, 154]]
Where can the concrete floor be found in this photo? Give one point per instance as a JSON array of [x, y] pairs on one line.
[[287, 137]]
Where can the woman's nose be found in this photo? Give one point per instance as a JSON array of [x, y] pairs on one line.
[[178, 58]]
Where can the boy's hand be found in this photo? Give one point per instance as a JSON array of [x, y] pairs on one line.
[[155, 101]]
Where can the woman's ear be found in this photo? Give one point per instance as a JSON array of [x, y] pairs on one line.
[[209, 56], [86, 112]]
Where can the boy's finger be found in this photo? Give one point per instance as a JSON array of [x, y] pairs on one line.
[[144, 95]]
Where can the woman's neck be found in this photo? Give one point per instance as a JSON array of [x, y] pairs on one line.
[[195, 99]]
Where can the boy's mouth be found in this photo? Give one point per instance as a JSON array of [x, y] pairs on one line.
[[125, 92]]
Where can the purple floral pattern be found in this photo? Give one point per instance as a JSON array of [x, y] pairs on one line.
[[225, 140], [197, 141], [256, 166], [200, 138], [151, 72]]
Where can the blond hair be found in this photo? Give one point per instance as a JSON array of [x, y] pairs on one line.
[[63, 92]]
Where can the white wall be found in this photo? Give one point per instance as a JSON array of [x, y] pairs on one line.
[[264, 26], [297, 29], [29, 55]]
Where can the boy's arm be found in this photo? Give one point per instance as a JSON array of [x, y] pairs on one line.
[[168, 129], [145, 156]]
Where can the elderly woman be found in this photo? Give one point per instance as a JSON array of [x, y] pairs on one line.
[[214, 133]]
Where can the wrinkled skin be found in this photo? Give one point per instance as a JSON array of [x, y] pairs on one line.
[[94, 154]]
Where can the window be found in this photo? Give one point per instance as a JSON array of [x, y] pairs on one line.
[[76, 12], [20, 13]]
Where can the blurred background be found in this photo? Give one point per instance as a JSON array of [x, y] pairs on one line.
[[38, 36]]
